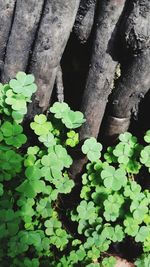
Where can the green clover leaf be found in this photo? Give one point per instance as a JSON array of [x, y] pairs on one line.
[[73, 119], [51, 225], [142, 234], [132, 190], [73, 139], [143, 261], [23, 84], [31, 188], [65, 185], [59, 109], [33, 172], [131, 226], [40, 125], [109, 262], [123, 152], [113, 206], [147, 136], [145, 156], [60, 239], [44, 207], [139, 209], [10, 161], [92, 148], [86, 211], [127, 138], [33, 150], [114, 179], [17, 101], [13, 134], [47, 139]]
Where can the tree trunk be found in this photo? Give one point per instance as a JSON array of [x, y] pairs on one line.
[[102, 66], [85, 19], [26, 19], [135, 79], [101, 73], [56, 24], [6, 15]]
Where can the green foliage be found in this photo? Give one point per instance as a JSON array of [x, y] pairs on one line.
[[16, 95], [114, 179], [109, 262], [144, 261], [71, 119], [119, 206], [72, 139], [35, 179], [92, 149]]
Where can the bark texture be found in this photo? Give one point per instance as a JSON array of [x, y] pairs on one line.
[[26, 19], [135, 79], [84, 20], [6, 17], [101, 70], [56, 25]]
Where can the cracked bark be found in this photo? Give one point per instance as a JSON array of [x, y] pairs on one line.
[[135, 79], [6, 17], [26, 19], [54, 31]]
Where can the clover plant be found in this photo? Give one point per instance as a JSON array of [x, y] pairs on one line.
[[34, 182]]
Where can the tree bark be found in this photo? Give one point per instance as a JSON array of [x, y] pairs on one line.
[[135, 79], [54, 31], [84, 20], [26, 19], [101, 70], [6, 17]]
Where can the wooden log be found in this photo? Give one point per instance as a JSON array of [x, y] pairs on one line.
[[85, 19], [135, 79], [101, 72], [102, 67], [6, 17], [54, 31], [26, 20]]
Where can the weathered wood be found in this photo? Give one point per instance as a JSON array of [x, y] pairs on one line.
[[135, 79], [101, 70], [54, 31], [27, 16], [6, 16], [84, 20], [132, 86]]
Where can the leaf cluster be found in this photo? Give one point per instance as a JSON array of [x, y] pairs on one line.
[[112, 205]]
